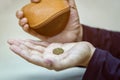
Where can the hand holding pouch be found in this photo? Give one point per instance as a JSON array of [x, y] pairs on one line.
[[48, 17]]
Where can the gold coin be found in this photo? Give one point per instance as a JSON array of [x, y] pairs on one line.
[[58, 51]]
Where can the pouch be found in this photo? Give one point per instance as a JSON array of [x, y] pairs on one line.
[[48, 17]]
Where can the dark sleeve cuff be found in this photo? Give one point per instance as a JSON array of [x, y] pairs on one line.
[[103, 39], [90, 34], [100, 38], [103, 66]]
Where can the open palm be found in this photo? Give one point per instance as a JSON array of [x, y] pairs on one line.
[[41, 53]]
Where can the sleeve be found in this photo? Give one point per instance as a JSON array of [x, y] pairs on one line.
[[103, 66], [103, 39]]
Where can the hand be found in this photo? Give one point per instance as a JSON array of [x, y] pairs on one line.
[[41, 53], [73, 27]]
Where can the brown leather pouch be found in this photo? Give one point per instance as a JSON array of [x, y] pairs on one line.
[[48, 17]]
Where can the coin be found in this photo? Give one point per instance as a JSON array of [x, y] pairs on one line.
[[58, 51]]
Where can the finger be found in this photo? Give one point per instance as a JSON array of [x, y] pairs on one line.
[[32, 32], [19, 14], [41, 43], [23, 21], [72, 3], [21, 52], [11, 42], [17, 43], [31, 57], [35, 0], [26, 44], [33, 46], [29, 30], [26, 28]]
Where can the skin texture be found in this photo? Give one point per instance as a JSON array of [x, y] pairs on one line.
[[73, 27], [41, 53]]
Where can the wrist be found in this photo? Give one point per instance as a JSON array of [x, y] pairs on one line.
[[92, 50], [88, 53]]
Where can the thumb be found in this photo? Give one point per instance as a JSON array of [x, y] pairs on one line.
[[72, 3]]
